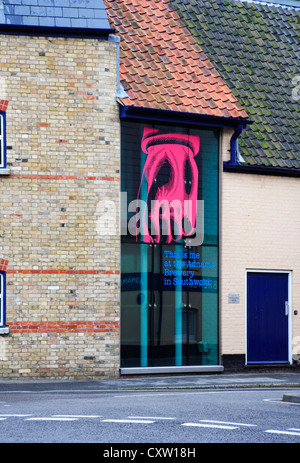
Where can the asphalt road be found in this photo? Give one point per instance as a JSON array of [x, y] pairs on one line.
[[171, 411]]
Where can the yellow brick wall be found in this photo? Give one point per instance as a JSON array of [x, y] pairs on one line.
[[63, 139], [260, 229]]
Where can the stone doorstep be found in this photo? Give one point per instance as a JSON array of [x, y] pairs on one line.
[[291, 398]]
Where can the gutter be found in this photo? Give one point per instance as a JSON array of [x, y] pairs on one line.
[[236, 162], [262, 170], [51, 31], [165, 115]]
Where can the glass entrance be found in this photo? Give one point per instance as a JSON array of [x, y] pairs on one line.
[[169, 267]]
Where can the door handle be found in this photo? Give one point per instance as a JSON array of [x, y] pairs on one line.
[[287, 308]]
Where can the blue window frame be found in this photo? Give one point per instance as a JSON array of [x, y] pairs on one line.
[[2, 140], [2, 299]]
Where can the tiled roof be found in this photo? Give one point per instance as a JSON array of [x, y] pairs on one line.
[[162, 66], [87, 14], [256, 49]]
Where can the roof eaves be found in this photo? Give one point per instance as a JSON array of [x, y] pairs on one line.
[[49, 31], [136, 112]]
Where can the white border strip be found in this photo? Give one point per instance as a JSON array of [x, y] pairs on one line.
[[155, 370]]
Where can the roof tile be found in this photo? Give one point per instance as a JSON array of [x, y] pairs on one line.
[[172, 61], [255, 47], [54, 13]]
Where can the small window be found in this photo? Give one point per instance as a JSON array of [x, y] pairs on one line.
[[2, 299], [2, 141]]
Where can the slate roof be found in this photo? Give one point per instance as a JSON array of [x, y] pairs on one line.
[[256, 49], [82, 14], [161, 64]]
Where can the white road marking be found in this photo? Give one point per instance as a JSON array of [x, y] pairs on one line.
[[272, 400], [274, 431], [127, 421], [77, 416], [14, 415], [285, 402], [294, 429], [152, 418], [50, 419], [202, 425], [228, 422]]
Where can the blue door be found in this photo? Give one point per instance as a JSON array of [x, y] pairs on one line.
[[267, 317]]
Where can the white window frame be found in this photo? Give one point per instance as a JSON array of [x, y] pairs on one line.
[[3, 328], [2, 165], [2, 295]]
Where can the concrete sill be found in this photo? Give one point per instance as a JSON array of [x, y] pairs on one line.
[[4, 171], [4, 330], [165, 370]]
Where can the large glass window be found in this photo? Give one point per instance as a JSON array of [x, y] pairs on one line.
[[169, 245]]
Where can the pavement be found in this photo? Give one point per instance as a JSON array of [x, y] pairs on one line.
[[288, 382]]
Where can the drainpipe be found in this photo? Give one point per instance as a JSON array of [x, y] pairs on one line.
[[120, 91], [2, 15], [234, 145]]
